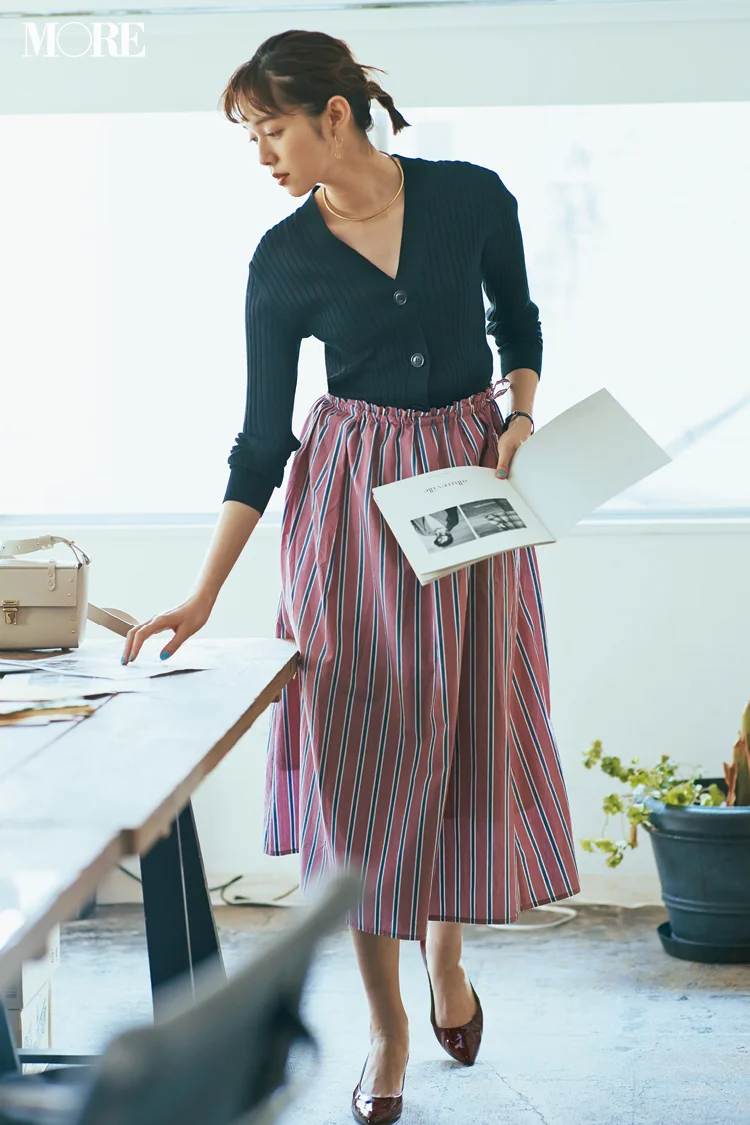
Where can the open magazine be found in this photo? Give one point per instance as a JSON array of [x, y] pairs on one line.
[[451, 518]]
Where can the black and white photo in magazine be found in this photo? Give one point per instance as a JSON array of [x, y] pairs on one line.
[[446, 527]]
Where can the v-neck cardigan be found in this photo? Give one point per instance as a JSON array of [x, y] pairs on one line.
[[417, 340]]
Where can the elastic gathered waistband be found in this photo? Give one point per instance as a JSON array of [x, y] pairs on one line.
[[355, 407]]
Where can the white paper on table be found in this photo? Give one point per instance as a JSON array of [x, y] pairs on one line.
[[36, 686], [10, 706], [108, 667], [40, 712], [8, 665], [101, 658]]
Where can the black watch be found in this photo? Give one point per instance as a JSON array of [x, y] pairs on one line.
[[516, 414]]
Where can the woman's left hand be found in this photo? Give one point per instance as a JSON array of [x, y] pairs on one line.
[[516, 434]]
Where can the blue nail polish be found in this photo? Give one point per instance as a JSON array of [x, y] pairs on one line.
[[164, 656], [122, 659], [132, 656], [500, 473]]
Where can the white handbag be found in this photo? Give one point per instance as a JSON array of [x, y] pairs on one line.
[[45, 604]]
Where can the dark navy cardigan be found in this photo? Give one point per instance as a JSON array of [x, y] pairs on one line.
[[419, 340]]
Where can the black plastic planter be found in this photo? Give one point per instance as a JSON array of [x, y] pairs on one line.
[[703, 858]]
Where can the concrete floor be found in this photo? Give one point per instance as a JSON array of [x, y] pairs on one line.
[[588, 1023]]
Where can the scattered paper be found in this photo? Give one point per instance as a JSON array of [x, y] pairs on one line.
[[16, 665], [40, 685], [37, 714], [108, 667], [101, 659]]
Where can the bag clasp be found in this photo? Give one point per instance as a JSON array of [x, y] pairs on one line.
[[10, 611]]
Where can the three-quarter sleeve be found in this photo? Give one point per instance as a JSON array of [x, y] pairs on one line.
[[265, 443], [512, 318]]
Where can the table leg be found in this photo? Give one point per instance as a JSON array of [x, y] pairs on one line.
[[180, 927], [8, 1056]]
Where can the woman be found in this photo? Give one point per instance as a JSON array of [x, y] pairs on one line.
[[439, 526], [415, 741]]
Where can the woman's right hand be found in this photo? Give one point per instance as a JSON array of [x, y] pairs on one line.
[[185, 619]]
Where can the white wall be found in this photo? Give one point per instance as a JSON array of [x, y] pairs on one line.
[[648, 623], [648, 628]]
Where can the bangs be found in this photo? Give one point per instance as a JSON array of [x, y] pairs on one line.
[[250, 90]]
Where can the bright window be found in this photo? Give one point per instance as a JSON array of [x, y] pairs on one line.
[[123, 286]]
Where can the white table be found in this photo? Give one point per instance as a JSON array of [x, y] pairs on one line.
[[78, 797]]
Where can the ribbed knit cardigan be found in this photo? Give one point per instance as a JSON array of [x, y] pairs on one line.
[[417, 340]]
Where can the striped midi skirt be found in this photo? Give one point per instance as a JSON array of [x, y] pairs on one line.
[[415, 744]]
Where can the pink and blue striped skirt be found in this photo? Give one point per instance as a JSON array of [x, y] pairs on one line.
[[415, 744]]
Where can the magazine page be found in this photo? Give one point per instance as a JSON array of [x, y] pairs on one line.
[[581, 458], [450, 518]]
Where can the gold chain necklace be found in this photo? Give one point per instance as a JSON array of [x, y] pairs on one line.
[[382, 209]]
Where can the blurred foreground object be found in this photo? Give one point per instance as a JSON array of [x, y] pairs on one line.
[[218, 1054]]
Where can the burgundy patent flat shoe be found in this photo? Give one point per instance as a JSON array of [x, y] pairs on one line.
[[462, 1042], [371, 1109]]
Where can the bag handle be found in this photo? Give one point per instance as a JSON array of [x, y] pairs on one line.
[[25, 546], [117, 620]]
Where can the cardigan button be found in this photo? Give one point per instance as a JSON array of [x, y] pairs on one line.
[[417, 359], [399, 297]]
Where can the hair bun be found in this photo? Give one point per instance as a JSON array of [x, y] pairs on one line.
[[309, 67]]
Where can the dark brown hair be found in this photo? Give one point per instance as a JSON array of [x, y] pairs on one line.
[[303, 70]]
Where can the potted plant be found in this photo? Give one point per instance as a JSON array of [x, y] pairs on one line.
[[700, 833]]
